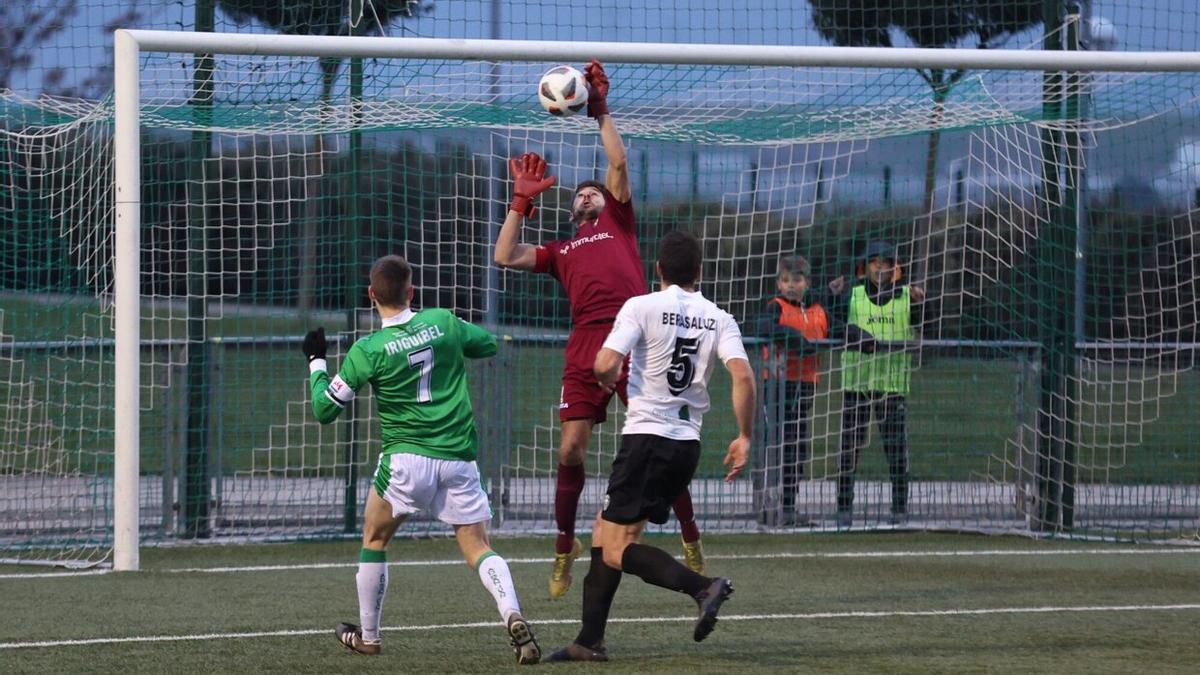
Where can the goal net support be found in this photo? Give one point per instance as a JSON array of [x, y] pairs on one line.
[[236, 188]]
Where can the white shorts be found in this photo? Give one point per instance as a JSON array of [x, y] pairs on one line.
[[448, 489]]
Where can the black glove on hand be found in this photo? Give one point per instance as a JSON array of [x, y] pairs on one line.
[[314, 344]]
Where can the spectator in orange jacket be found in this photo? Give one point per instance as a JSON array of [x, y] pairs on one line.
[[793, 320]]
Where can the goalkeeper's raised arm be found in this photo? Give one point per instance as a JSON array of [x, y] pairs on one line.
[[530, 179], [616, 178]]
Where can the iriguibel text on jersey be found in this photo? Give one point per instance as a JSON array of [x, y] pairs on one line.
[[406, 342]]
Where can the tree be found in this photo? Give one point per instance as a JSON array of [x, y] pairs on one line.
[[930, 24], [26, 28], [319, 17], [23, 29]]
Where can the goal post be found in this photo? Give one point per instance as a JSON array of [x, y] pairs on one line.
[[127, 223], [789, 155]]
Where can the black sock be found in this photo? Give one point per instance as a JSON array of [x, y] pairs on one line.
[[599, 587], [656, 566]]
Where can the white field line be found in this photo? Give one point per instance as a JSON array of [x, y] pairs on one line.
[[53, 575], [982, 553], [640, 620], [731, 556]]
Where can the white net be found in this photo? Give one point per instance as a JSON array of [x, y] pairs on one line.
[[1036, 402]]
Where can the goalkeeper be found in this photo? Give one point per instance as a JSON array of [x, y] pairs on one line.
[[881, 319], [415, 364], [600, 269]]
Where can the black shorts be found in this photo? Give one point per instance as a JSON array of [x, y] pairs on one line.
[[648, 474]]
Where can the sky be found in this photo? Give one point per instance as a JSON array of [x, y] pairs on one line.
[[1138, 25], [1141, 25]]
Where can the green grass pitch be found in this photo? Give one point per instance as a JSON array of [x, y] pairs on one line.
[[860, 603]]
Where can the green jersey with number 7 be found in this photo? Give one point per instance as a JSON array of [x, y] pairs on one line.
[[416, 365]]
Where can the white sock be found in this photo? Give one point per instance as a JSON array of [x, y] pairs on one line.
[[494, 574], [372, 581]]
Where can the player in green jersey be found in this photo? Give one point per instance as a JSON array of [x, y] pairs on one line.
[[415, 364]]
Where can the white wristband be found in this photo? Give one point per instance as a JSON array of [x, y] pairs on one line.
[[315, 365]]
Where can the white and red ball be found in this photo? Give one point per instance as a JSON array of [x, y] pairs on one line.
[[563, 91]]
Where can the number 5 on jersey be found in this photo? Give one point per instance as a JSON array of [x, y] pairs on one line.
[[682, 370]]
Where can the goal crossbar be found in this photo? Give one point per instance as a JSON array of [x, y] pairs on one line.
[[657, 52]]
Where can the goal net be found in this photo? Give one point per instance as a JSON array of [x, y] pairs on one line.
[[1046, 217]]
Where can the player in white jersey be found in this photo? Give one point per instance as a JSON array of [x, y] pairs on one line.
[[673, 339]]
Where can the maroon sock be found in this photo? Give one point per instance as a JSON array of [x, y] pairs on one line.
[[687, 517], [566, 503]]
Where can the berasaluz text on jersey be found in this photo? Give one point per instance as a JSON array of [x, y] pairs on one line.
[[685, 321]]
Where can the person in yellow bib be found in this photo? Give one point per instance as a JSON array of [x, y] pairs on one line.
[[882, 316]]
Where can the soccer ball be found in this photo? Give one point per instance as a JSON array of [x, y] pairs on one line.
[[563, 91]]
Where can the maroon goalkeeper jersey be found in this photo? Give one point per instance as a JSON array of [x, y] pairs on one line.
[[599, 266]]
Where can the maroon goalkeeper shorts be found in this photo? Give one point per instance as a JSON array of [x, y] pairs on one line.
[[582, 396]]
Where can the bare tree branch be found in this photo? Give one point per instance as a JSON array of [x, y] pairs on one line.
[[24, 26]]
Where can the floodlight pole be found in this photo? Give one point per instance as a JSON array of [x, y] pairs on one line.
[[1048, 467], [353, 275], [197, 485], [496, 167], [1074, 217]]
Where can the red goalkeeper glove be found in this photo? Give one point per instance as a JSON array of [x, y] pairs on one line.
[[597, 81], [529, 181]]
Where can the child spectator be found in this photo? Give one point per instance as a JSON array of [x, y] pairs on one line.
[[792, 320]]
